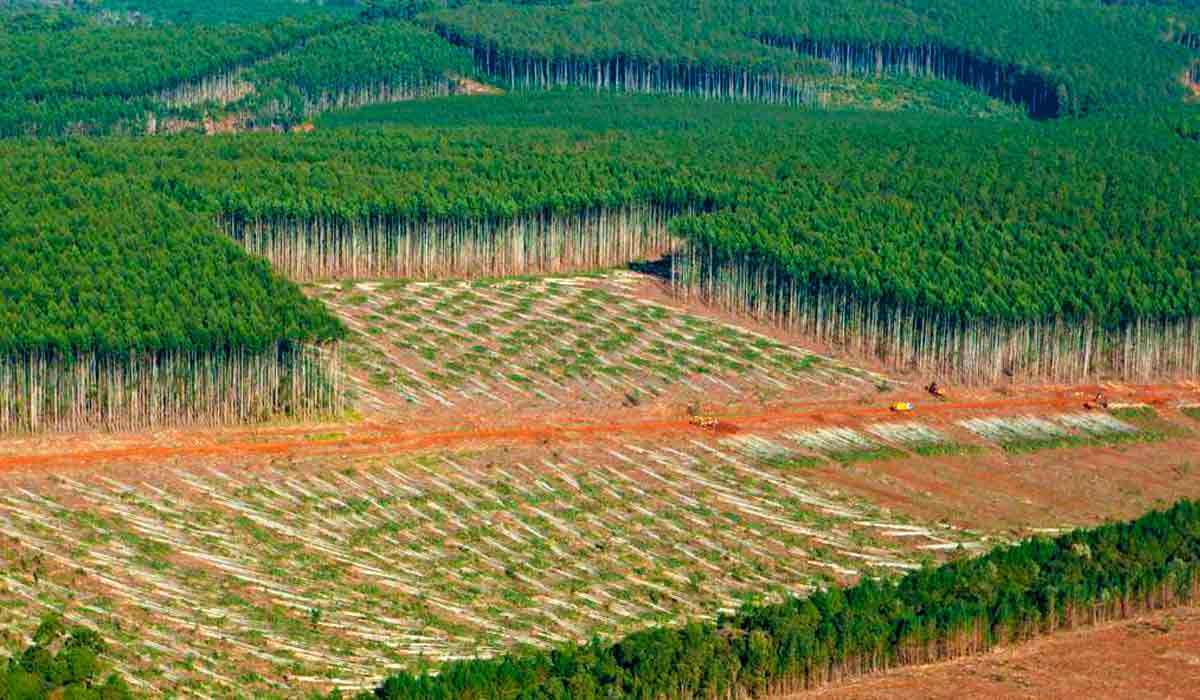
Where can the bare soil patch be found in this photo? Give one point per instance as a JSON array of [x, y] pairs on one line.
[[1154, 656]]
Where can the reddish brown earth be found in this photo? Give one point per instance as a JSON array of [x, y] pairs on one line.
[[998, 494], [1156, 656], [475, 431]]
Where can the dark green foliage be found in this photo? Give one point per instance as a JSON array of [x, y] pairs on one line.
[[380, 61], [61, 663], [968, 220], [1091, 218], [60, 74], [103, 266], [93, 60], [565, 109], [992, 222], [379, 52], [958, 608], [589, 111], [1067, 57], [208, 12]]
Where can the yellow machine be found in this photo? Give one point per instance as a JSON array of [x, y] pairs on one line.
[[903, 407]]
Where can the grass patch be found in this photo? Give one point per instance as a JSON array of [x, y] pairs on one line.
[[1072, 441], [790, 462], [1192, 412], [1151, 425], [324, 437], [1134, 413], [866, 454], [946, 449]]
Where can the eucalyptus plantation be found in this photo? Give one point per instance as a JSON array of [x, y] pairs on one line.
[[545, 242], [140, 390]]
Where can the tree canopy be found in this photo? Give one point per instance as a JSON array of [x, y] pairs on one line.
[[101, 266], [61, 662]]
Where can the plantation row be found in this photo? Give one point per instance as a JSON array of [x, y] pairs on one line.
[[1055, 57], [358, 65], [1003, 81], [581, 110], [373, 53], [71, 391], [205, 579], [964, 607], [544, 242], [555, 342]]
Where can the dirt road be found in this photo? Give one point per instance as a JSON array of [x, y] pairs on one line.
[[83, 451]]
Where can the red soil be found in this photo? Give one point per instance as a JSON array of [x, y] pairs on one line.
[[1153, 656], [461, 431]]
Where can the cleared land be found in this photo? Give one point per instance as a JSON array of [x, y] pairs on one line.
[[541, 344], [321, 568], [325, 575], [578, 502], [1150, 657]]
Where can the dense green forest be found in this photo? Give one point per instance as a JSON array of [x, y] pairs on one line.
[[575, 109], [379, 62], [972, 247], [106, 66], [925, 239], [967, 606], [61, 663], [123, 310], [61, 73], [1053, 56]]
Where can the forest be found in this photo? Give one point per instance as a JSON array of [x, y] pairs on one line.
[[928, 246], [1073, 59], [378, 62], [968, 606], [62, 663], [272, 62], [63, 73], [925, 246], [123, 311]]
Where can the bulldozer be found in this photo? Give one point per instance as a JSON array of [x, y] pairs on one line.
[[698, 419], [936, 390], [902, 407]]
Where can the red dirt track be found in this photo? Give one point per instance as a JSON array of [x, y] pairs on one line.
[[450, 431]]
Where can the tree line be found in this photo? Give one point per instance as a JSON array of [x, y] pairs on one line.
[[1086, 57], [120, 309], [967, 606], [60, 74], [980, 248], [381, 61]]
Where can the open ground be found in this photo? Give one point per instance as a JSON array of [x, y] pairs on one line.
[[1153, 657], [465, 511]]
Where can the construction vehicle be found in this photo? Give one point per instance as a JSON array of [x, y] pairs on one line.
[[903, 407], [698, 419], [936, 390], [1099, 403]]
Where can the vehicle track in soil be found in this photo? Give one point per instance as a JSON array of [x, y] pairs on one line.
[[369, 437]]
